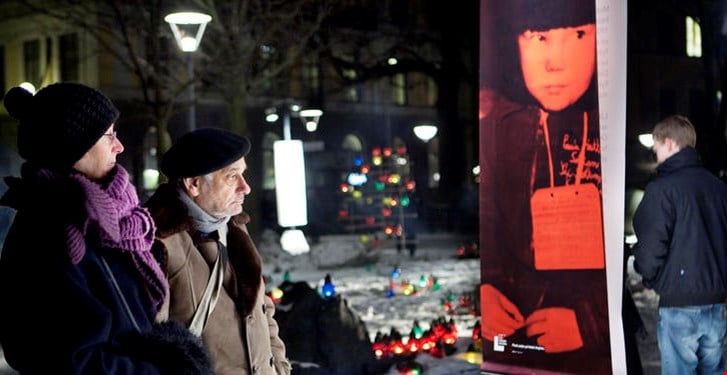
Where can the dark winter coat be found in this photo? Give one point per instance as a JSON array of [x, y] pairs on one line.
[[681, 226], [241, 333], [63, 318], [513, 166]]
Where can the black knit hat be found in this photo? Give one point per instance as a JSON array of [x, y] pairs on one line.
[[542, 15], [60, 123], [203, 151]]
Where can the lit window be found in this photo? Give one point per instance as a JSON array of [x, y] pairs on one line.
[[2, 69], [268, 179], [398, 83], [267, 51], [349, 74], [719, 98], [351, 93], [31, 61], [311, 76], [694, 38], [422, 90], [69, 58]]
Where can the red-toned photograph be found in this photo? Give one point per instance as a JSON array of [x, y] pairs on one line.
[[543, 292]]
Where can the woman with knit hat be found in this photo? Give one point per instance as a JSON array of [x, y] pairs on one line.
[[80, 286]]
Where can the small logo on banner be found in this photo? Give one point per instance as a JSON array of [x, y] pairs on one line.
[[499, 343]]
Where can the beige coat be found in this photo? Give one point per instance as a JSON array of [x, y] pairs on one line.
[[241, 333]]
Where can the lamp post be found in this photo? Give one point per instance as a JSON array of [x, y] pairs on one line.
[[289, 165], [188, 29]]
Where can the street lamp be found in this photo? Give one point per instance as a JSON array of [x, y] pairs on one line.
[[646, 140], [188, 29], [289, 165], [425, 132], [310, 117], [288, 108]]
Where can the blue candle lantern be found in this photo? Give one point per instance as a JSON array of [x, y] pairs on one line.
[[328, 290]]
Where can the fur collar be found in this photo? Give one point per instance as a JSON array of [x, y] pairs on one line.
[[171, 218]]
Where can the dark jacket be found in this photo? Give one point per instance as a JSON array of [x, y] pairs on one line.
[[681, 226], [241, 334], [63, 318]]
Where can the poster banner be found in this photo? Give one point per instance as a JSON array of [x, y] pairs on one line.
[[552, 129]]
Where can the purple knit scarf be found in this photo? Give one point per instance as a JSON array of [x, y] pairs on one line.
[[113, 219]]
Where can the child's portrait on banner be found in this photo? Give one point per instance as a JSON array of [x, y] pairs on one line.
[[543, 293]]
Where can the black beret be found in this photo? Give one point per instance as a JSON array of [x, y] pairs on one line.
[[60, 123], [203, 151]]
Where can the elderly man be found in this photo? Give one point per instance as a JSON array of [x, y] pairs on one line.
[[213, 266]]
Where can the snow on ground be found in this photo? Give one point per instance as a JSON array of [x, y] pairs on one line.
[[363, 284], [362, 276]]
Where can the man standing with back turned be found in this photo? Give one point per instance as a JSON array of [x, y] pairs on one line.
[[681, 226], [213, 267]]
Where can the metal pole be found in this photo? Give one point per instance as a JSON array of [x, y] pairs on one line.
[[286, 124], [191, 120]]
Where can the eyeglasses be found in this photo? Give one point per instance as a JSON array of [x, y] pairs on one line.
[[112, 135]]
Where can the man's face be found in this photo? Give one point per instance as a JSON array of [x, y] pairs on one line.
[[223, 192], [558, 64]]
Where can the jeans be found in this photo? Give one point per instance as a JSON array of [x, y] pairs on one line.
[[691, 339]]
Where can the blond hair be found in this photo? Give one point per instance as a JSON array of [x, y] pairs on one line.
[[678, 128]]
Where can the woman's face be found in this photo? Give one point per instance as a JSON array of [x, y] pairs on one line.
[[558, 64], [101, 158]]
